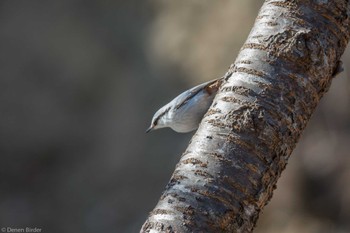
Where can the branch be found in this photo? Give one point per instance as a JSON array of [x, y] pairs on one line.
[[232, 164]]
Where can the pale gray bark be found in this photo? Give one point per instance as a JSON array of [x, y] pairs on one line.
[[231, 166]]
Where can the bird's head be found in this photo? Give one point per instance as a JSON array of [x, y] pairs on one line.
[[159, 119]]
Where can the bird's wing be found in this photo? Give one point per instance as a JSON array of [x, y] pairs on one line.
[[210, 87]]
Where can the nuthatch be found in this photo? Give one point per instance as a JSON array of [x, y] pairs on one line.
[[184, 113]]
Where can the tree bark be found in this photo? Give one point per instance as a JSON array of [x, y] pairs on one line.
[[231, 166]]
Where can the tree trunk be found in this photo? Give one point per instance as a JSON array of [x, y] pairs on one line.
[[231, 166]]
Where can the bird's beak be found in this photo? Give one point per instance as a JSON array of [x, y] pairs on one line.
[[150, 129]]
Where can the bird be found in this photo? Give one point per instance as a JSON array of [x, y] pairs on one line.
[[184, 113]]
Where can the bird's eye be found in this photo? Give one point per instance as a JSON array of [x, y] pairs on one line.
[[155, 122]]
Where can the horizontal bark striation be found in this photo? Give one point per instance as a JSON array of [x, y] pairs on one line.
[[230, 169]]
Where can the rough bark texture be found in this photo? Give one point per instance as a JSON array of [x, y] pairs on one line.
[[231, 166]]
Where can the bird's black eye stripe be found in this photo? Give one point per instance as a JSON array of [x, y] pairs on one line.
[[160, 115]]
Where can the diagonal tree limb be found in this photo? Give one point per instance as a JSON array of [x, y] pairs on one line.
[[232, 164]]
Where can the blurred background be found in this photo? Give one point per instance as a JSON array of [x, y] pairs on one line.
[[80, 82]]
